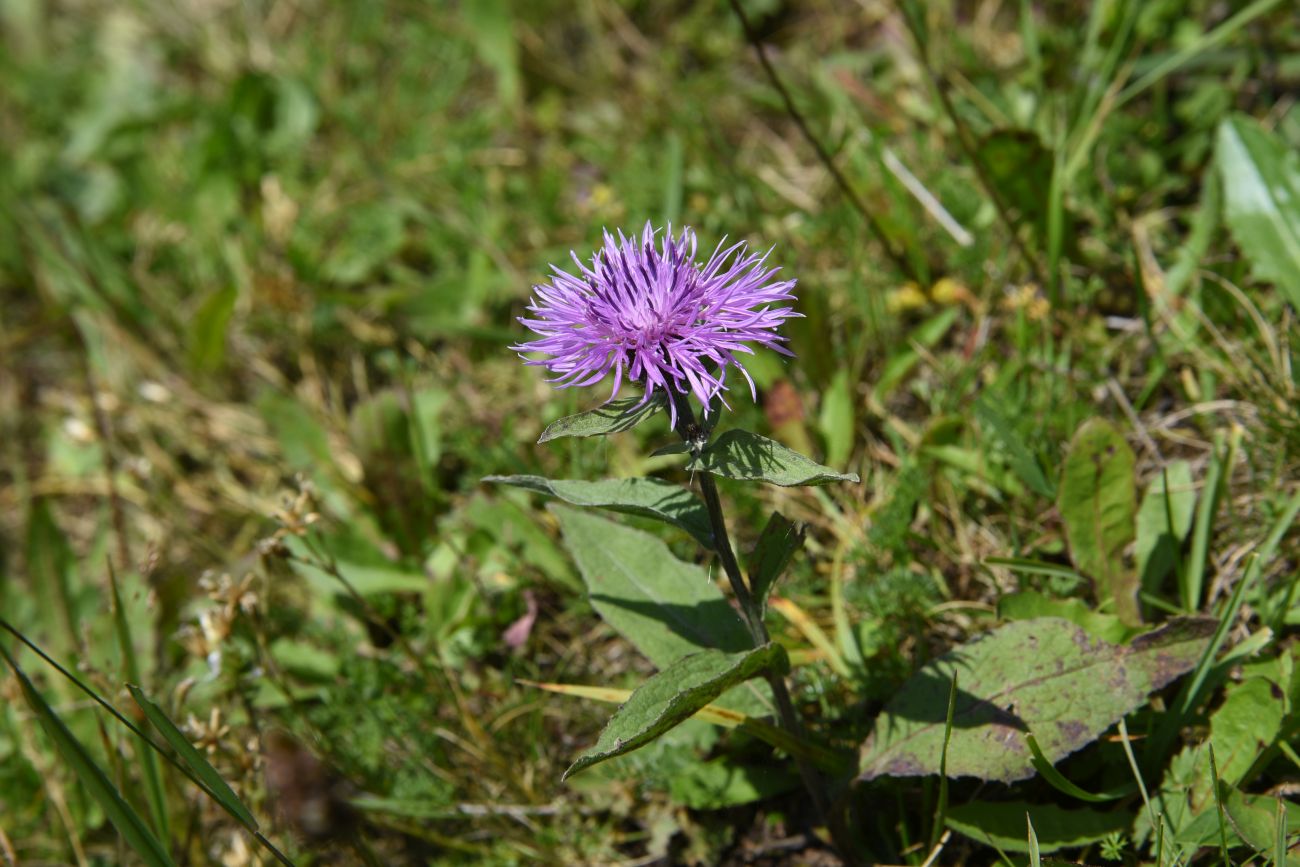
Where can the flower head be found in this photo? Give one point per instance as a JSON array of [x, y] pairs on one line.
[[655, 315]]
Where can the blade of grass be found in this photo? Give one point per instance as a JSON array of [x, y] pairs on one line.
[[218, 788], [1192, 578], [1058, 780], [1035, 857], [1218, 806], [128, 822], [135, 730], [149, 769], [814, 633], [941, 808], [1202, 43]]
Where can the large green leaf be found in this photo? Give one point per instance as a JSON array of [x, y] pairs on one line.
[[674, 694], [194, 760], [651, 498], [1044, 676], [613, 417], [1098, 500], [739, 454], [1261, 180], [1163, 522], [128, 822], [665, 607], [1002, 823]]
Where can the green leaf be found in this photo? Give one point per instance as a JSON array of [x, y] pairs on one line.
[[1255, 819], [650, 498], [674, 694], [207, 338], [836, 418], [613, 417], [1002, 824], [128, 822], [717, 784], [1029, 604], [1046, 676], [1098, 501], [739, 454], [1020, 167], [1022, 461], [1261, 180], [1163, 522], [777, 543], [666, 608], [193, 759]]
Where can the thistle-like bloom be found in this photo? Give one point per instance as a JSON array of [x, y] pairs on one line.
[[656, 316]]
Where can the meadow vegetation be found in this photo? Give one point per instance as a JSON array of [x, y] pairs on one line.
[[260, 267]]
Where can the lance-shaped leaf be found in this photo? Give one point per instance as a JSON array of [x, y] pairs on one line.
[[194, 760], [1261, 179], [674, 694], [613, 417], [776, 545], [1045, 676], [1163, 521], [650, 498], [1098, 502], [739, 454], [128, 822], [664, 607]]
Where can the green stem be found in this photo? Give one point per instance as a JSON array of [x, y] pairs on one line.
[[751, 610]]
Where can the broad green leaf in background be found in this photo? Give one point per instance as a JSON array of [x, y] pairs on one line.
[[193, 759], [1255, 819], [1097, 500], [1002, 823], [739, 454], [207, 338], [719, 783], [650, 498], [1261, 183], [674, 694], [665, 607], [613, 417], [1029, 604], [1163, 522], [128, 822], [1045, 676], [1020, 167], [836, 418], [777, 543]]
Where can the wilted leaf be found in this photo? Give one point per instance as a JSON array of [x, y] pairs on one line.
[[674, 694], [1044, 676], [1097, 501], [1261, 180], [613, 417], [650, 498], [739, 454], [1002, 823]]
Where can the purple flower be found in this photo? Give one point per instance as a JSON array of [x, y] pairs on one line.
[[654, 315]]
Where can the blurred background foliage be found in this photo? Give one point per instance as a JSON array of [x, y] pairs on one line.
[[259, 268]]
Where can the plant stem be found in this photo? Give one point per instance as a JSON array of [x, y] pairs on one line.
[[752, 613]]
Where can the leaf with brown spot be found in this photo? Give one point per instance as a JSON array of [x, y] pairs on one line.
[[1044, 676]]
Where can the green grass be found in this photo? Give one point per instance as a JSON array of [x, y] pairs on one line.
[[259, 268]]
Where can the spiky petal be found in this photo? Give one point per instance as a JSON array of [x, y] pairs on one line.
[[654, 315]]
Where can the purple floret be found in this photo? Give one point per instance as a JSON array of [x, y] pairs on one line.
[[657, 317]]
